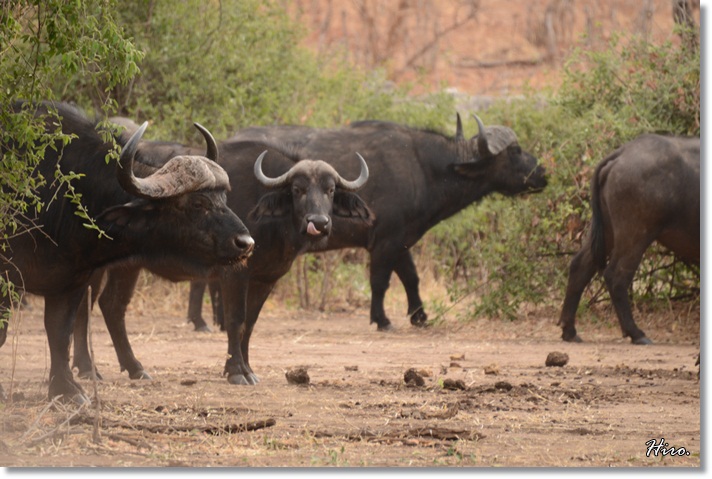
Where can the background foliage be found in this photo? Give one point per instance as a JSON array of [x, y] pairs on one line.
[[228, 64]]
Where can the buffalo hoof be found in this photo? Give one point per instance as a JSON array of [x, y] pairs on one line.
[[419, 318], [88, 375], [200, 325], [77, 399], [141, 374], [81, 400], [575, 339], [385, 327], [643, 340], [242, 380], [67, 391], [572, 339]]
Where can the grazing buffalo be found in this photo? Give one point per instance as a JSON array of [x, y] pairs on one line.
[[647, 190], [171, 216], [419, 179], [290, 207]]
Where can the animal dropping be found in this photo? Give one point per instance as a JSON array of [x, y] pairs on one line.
[[557, 358], [297, 376]]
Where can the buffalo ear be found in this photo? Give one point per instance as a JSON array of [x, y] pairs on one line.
[[132, 215], [271, 205], [351, 206]]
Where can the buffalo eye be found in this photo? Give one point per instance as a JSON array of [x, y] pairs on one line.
[[297, 191], [199, 204]]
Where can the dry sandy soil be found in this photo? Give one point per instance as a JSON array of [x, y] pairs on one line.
[[487, 398]]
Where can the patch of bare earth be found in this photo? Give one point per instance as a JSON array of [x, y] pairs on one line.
[[487, 398]]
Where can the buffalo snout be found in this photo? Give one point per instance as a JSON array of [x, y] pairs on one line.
[[244, 244], [318, 225], [537, 179]]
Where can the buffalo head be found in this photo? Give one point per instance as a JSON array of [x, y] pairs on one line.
[[495, 156], [311, 192], [181, 206]]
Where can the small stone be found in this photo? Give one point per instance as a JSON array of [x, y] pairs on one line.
[[492, 369]]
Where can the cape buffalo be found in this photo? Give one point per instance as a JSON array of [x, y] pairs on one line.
[[647, 190], [172, 217], [290, 207], [419, 179]]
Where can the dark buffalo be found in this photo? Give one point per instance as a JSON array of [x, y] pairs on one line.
[[171, 217], [647, 190], [419, 179], [290, 207]]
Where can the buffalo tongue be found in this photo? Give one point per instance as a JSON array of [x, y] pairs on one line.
[[311, 229]]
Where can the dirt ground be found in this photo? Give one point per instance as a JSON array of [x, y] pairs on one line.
[[487, 397]]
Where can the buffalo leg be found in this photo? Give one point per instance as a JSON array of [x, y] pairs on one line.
[[259, 292], [195, 306], [82, 359], [381, 268], [408, 274], [618, 276], [581, 271], [236, 369], [60, 313], [215, 291], [4, 318], [242, 308], [113, 302], [4, 324]]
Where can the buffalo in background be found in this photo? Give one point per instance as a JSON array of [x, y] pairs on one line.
[[647, 190], [419, 178], [171, 216]]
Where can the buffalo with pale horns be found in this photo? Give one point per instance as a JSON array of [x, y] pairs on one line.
[[171, 215]]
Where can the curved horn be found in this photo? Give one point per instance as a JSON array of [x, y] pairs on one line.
[[358, 182], [482, 145], [124, 172], [265, 180], [459, 136], [179, 175], [212, 153]]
